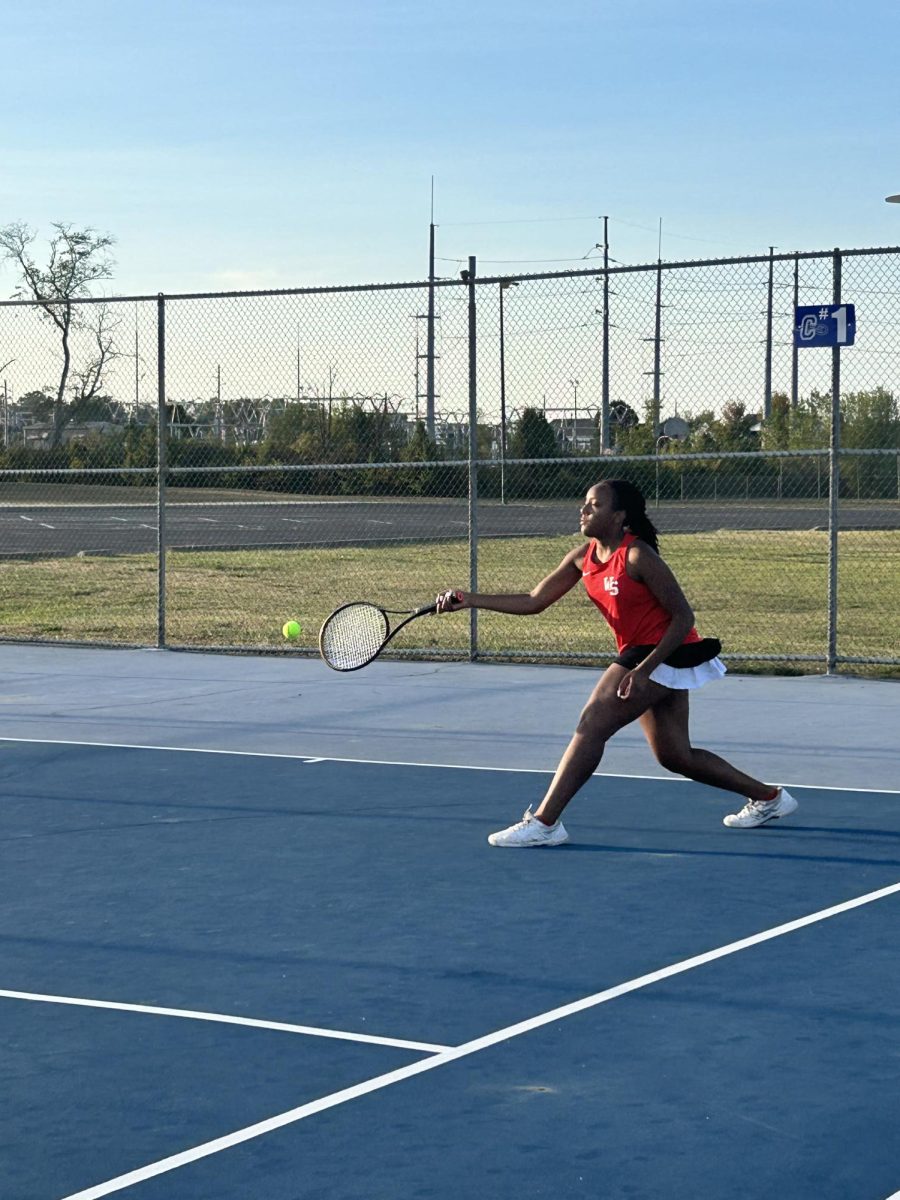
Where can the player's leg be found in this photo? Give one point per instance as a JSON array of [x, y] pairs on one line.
[[666, 728], [602, 716]]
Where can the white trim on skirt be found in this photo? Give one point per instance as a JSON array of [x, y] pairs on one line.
[[684, 678]]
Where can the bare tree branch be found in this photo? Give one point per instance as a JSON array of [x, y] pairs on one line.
[[88, 380], [77, 259]]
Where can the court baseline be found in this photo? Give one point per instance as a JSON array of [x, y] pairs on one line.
[[386, 762]]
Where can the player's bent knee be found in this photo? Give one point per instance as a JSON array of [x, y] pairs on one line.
[[675, 761]]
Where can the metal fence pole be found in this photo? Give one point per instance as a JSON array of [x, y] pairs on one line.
[[161, 439], [834, 483], [473, 461], [502, 289], [657, 341], [605, 439], [795, 353]]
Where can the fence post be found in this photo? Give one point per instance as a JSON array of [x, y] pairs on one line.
[[161, 447], [795, 354], [834, 482], [473, 461]]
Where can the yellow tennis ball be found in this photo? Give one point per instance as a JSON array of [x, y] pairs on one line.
[[291, 629]]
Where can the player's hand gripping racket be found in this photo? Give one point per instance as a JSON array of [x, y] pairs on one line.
[[356, 633]]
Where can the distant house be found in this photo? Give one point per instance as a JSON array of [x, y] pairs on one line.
[[575, 434]]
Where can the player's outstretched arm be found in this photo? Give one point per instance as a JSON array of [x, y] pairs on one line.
[[552, 588]]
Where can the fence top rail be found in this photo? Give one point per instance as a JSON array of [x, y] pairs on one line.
[[6, 471], [522, 462], [424, 284]]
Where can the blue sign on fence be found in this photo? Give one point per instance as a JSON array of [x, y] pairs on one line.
[[824, 324]]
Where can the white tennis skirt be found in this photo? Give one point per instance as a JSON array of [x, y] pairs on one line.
[[684, 678]]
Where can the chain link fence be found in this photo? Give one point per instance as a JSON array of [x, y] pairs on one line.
[[330, 444]]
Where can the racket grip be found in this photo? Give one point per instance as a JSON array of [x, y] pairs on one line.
[[456, 595]]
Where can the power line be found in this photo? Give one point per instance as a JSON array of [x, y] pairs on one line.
[[513, 261], [516, 221]]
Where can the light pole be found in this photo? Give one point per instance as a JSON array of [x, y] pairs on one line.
[[574, 383], [504, 284]]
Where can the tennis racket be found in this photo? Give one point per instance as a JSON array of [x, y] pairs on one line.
[[356, 633]]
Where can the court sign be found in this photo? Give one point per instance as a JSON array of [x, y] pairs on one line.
[[824, 324]]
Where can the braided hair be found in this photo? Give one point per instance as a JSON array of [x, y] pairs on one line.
[[629, 498]]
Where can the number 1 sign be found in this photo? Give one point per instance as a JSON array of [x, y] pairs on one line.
[[824, 324]]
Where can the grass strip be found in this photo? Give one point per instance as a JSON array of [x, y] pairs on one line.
[[760, 592]]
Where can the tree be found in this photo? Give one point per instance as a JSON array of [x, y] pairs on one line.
[[871, 420], [533, 436], [736, 426], [88, 379], [77, 259], [702, 437], [38, 405], [776, 432]]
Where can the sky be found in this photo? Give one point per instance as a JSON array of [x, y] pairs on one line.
[[271, 144]]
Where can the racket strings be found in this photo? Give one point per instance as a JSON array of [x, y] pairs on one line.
[[353, 635]]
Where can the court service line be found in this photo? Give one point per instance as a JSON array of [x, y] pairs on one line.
[[225, 1019], [378, 1082], [390, 762]]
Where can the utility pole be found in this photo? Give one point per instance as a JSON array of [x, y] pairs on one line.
[[418, 380], [504, 284], [767, 393], [429, 363], [298, 364], [137, 376], [657, 342]]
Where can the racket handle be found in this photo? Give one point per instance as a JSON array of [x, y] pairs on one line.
[[457, 596]]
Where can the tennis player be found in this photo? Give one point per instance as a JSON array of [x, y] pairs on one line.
[[661, 660]]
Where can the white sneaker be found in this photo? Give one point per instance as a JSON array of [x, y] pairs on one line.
[[530, 832], [757, 812]]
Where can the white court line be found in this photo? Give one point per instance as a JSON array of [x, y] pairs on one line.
[[390, 762], [304, 758], [224, 1019], [473, 1047]]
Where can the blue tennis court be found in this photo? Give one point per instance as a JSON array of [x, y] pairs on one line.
[[237, 971]]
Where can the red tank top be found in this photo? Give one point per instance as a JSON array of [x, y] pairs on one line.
[[633, 613]]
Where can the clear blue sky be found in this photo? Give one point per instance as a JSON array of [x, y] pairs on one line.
[[282, 144]]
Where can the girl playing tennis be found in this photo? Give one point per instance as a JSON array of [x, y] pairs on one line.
[[661, 658]]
